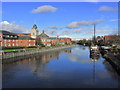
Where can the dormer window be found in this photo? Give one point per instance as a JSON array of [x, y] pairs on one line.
[[7, 35], [15, 36]]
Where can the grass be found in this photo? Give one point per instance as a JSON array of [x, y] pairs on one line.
[[12, 50]]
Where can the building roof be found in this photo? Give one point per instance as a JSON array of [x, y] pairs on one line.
[[24, 33], [34, 26], [43, 35], [7, 32], [52, 37], [26, 38]]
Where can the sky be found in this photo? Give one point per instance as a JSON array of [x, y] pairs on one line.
[[63, 19]]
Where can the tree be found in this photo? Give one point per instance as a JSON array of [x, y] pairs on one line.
[[98, 37]]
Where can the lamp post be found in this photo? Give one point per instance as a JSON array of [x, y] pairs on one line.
[[94, 35]]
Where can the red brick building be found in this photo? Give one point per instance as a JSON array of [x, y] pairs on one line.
[[8, 39], [48, 41], [24, 34]]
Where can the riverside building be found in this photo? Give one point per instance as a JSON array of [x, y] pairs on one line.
[[9, 39]]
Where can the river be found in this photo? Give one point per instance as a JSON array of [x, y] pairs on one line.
[[67, 68]]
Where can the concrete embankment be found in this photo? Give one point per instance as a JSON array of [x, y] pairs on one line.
[[112, 58], [20, 55]]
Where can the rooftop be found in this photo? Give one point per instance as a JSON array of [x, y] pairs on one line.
[[26, 38], [43, 35], [7, 32]]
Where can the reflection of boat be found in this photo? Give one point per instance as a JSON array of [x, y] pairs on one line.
[[94, 53], [94, 57]]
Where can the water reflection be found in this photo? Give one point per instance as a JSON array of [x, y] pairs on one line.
[[94, 57], [70, 67]]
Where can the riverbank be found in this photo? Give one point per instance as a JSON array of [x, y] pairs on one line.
[[112, 56], [6, 56]]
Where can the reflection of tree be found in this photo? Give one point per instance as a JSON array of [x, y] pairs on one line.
[[83, 48], [111, 71], [43, 59], [67, 50]]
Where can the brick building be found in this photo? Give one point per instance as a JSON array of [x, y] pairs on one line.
[[48, 41], [24, 34], [9, 39]]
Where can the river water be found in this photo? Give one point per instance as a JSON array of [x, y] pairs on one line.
[[67, 68]]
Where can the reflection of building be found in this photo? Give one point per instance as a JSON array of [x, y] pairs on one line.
[[67, 50]]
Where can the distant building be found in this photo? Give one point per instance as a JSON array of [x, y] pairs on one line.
[[9, 39], [34, 31], [48, 41], [110, 37]]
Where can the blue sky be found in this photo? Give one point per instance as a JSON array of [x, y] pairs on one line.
[[70, 19]]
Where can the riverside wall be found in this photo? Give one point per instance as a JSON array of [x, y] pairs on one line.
[[112, 59], [31, 52]]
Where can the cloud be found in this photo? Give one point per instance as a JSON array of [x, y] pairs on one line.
[[112, 20], [70, 32], [55, 27], [104, 31], [44, 9], [5, 25], [107, 9], [52, 32], [83, 23]]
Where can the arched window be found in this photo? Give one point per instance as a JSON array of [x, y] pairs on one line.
[[33, 33]]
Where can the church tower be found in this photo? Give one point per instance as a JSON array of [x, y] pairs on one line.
[[34, 31]]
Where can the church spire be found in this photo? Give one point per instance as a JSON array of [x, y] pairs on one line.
[[34, 31], [43, 32], [34, 26]]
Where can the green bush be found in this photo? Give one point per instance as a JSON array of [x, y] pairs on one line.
[[32, 47], [3, 48]]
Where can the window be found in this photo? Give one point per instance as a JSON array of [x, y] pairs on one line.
[[8, 44], [4, 44], [13, 40], [13, 44], [7, 35], [5, 41], [8, 40], [33, 34], [15, 36], [29, 40]]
